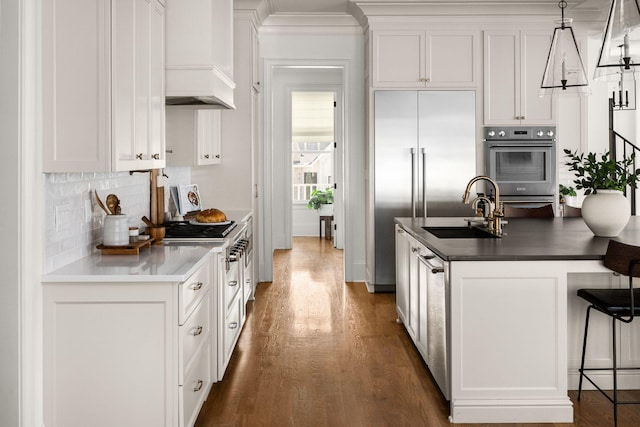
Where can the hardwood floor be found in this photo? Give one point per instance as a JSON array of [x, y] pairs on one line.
[[316, 351]]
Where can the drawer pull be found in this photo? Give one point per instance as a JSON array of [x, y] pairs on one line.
[[196, 286], [197, 331], [198, 386], [233, 325], [233, 283]]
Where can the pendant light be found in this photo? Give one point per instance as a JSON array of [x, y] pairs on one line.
[[620, 52], [564, 72]]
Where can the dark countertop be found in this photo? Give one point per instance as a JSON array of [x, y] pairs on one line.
[[526, 239]]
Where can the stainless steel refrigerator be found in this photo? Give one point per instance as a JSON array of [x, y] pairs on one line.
[[424, 155]]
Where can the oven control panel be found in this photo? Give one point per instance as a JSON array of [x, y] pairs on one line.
[[520, 133]]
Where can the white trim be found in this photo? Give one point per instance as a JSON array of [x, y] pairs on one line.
[[31, 230], [267, 238]]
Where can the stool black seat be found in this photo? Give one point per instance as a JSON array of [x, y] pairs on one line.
[[620, 304]]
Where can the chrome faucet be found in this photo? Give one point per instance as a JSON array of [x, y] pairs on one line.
[[495, 216]]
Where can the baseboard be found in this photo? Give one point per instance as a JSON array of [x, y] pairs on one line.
[[512, 411]]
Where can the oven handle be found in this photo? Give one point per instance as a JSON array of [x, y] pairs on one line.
[[520, 144]]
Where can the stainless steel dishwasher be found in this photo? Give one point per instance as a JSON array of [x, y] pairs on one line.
[[434, 274]]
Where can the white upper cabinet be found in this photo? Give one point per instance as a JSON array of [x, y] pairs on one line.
[[193, 137], [199, 51], [424, 59], [514, 62], [103, 85]]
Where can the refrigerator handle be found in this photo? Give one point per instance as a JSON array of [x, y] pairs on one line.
[[413, 182], [424, 183]]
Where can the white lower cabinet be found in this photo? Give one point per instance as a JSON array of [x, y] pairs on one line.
[[128, 353], [422, 302]]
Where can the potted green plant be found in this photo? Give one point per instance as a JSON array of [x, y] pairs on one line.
[[322, 201], [605, 210], [566, 192]]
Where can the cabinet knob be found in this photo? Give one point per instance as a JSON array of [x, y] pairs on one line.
[[156, 156], [139, 156], [196, 286], [206, 156], [233, 283], [197, 331], [198, 386], [217, 156], [233, 325]]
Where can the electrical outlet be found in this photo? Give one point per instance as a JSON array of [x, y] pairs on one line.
[[63, 217]]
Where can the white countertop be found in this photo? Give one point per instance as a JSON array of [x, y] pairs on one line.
[[168, 262], [171, 261]]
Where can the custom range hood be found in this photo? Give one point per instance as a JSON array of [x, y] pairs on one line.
[[199, 53]]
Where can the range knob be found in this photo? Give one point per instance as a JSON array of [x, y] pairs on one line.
[[502, 134], [491, 133], [540, 133], [550, 133]]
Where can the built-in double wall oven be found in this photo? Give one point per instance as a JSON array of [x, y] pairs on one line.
[[522, 160]]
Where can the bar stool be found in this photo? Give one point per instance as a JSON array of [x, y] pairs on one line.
[[619, 304]]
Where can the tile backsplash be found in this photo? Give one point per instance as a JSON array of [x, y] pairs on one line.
[[72, 219]]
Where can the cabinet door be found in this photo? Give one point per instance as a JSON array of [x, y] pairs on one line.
[[513, 67], [157, 147], [398, 58], [444, 69], [534, 50], [136, 26], [76, 61], [501, 77], [402, 274], [208, 138]]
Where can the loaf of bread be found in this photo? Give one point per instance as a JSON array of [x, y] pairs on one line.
[[211, 215]]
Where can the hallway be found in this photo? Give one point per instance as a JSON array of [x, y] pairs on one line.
[[318, 352]]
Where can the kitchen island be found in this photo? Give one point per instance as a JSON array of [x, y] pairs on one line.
[[511, 324]]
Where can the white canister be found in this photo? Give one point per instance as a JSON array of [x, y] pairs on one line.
[[115, 231]]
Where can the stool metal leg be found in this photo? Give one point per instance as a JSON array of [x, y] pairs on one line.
[[584, 350], [615, 374]]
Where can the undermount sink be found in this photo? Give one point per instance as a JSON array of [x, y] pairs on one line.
[[459, 233]]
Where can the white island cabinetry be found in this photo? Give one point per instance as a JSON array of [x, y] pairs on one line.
[[103, 85], [125, 349], [514, 324]]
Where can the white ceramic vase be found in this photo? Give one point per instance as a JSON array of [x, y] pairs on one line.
[[606, 213], [326, 210]]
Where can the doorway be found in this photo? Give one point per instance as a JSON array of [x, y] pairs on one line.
[[278, 156], [313, 145]]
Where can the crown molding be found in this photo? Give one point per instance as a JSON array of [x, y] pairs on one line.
[[311, 24]]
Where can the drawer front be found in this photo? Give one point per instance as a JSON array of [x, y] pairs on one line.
[[192, 290], [231, 286], [196, 386], [194, 333], [230, 332]]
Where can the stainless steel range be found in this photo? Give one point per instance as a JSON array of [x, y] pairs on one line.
[[522, 160], [239, 237]]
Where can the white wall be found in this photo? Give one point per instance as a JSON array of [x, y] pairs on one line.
[[345, 50], [10, 212]]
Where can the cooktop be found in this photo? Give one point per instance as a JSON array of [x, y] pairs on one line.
[[187, 230]]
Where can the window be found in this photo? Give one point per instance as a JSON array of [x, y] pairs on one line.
[[312, 131]]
